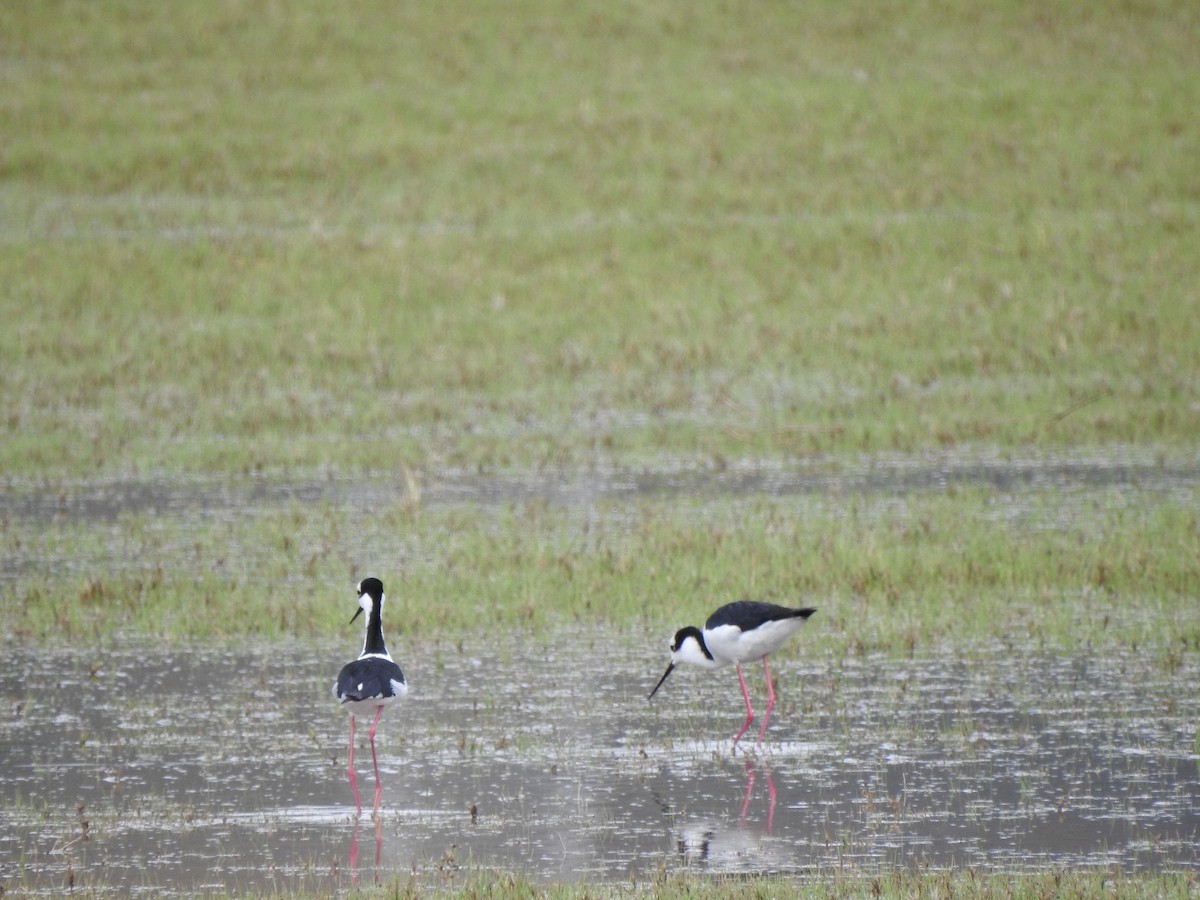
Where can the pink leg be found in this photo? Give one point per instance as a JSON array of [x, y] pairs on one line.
[[749, 708], [378, 786], [770, 701], [353, 777]]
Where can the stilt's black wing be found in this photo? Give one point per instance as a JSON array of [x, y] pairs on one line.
[[748, 614], [368, 679]]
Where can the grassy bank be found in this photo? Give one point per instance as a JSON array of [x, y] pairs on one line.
[[903, 573], [969, 884], [237, 239]]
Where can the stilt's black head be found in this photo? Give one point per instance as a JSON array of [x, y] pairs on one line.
[[371, 588], [689, 631], [687, 646]]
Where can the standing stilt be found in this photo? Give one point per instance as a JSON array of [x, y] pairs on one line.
[[371, 682]]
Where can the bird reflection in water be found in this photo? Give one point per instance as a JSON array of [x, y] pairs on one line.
[[354, 850], [718, 846], [750, 772]]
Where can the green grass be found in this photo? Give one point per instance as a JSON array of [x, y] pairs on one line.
[[900, 884], [238, 239], [919, 572], [971, 884]]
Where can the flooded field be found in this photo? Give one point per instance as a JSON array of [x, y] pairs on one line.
[[128, 767], [160, 770]]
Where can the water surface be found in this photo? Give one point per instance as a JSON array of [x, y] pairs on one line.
[[178, 769]]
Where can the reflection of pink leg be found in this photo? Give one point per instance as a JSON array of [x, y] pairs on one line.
[[749, 708], [378, 786], [378, 845], [354, 855], [749, 791], [771, 799], [353, 777], [770, 700]]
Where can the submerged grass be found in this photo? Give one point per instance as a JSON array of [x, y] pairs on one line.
[[241, 239], [900, 573]]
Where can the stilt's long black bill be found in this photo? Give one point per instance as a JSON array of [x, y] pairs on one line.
[[670, 668], [356, 615]]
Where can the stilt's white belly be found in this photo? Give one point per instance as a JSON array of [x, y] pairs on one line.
[[368, 706], [730, 643]]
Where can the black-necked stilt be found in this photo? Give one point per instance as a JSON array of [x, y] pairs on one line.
[[737, 633], [372, 681]]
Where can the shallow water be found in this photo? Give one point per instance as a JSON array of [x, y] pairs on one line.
[[197, 770]]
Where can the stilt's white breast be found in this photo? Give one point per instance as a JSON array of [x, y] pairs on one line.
[[692, 653]]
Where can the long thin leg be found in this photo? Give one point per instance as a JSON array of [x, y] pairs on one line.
[[378, 786], [770, 700], [350, 767], [749, 708]]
